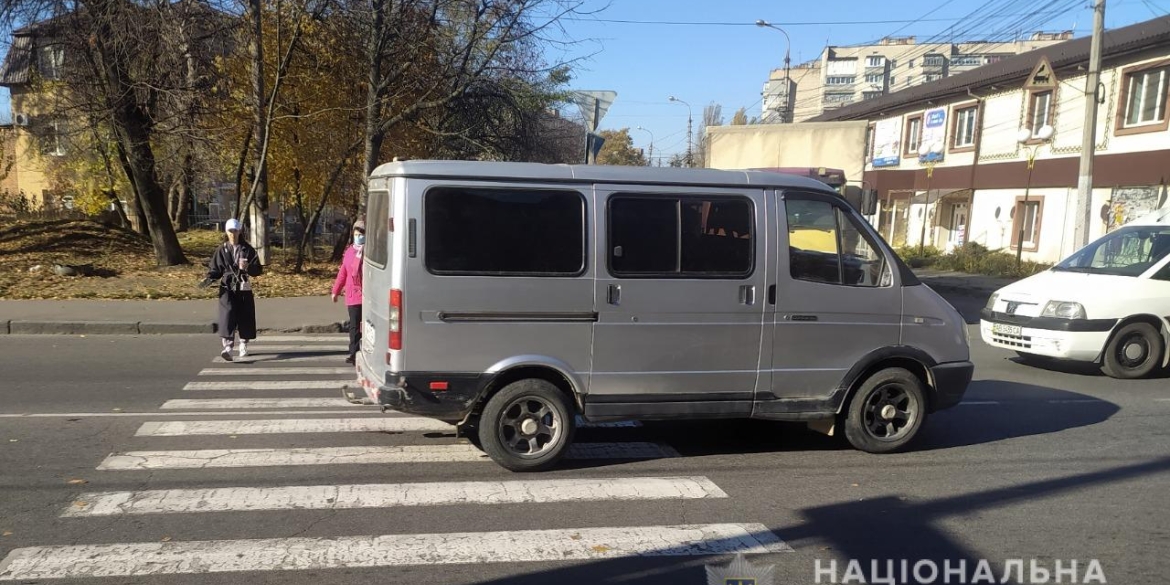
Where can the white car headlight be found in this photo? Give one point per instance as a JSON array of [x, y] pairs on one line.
[[991, 302], [1063, 310]]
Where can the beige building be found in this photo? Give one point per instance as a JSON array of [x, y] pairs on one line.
[[833, 145], [845, 75], [984, 126], [33, 140]]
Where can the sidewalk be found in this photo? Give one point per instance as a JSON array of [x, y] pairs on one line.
[[72, 317], [961, 282]]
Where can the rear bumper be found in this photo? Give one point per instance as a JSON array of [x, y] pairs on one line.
[[447, 397], [950, 383]]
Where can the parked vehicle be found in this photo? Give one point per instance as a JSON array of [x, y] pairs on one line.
[[508, 298], [1108, 303]]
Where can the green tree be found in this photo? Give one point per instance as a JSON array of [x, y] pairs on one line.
[[619, 149]]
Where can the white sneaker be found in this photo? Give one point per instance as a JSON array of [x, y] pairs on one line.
[[243, 349]]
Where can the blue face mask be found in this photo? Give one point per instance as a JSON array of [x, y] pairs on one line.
[[359, 239]]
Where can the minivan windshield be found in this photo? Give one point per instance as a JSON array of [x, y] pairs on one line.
[[1128, 251]]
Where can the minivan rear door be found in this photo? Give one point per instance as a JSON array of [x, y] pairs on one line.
[[679, 287]]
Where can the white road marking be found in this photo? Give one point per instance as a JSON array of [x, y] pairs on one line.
[[336, 497], [269, 385], [260, 348], [263, 339], [243, 403], [452, 453], [398, 424], [354, 409], [307, 371], [252, 358], [276, 554]]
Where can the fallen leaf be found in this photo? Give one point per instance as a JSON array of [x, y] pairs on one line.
[[6, 533], [13, 440], [600, 548], [166, 539], [575, 537], [80, 504], [856, 485], [77, 481]]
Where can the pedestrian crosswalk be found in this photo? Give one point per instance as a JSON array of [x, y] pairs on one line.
[[264, 412]]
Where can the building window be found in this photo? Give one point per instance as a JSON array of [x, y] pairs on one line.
[[504, 232], [869, 95], [826, 245], [966, 61], [1146, 92], [52, 142], [909, 80], [875, 79], [932, 77], [989, 59], [51, 61], [893, 81], [933, 61], [893, 63], [839, 80], [1028, 214], [875, 62], [912, 63], [964, 132], [870, 136], [913, 138], [1040, 112], [680, 237], [838, 98]]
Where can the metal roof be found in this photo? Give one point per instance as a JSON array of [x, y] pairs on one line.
[[1117, 42], [561, 173]]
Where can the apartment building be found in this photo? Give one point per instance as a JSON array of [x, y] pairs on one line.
[[845, 75], [985, 128]]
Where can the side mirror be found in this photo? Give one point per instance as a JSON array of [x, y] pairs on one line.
[[869, 201]]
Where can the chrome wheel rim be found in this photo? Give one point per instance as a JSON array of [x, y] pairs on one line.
[[530, 427], [890, 412]]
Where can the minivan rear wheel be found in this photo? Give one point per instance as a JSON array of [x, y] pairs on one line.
[[527, 426], [1134, 352], [886, 412]]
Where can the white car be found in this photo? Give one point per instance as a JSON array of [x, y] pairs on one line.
[[1108, 303]]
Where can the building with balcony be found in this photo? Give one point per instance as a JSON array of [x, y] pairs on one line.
[[985, 125], [844, 75]]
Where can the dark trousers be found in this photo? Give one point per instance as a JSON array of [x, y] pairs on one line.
[[355, 329], [237, 312]]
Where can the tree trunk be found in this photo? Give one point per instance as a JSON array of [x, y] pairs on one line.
[[374, 135], [152, 199], [258, 213]]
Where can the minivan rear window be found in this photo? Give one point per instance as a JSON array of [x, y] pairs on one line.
[[377, 232], [504, 232], [680, 236]]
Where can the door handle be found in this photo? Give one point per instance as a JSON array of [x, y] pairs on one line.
[[772, 295], [614, 295], [747, 294], [803, 318]]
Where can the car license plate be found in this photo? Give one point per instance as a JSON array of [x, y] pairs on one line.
[[367, 337], [1007, 329]]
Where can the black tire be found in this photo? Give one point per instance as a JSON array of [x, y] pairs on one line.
[[1135, 351], [527, 426], [886, 412]]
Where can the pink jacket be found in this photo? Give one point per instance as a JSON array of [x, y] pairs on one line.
[[349, 277]]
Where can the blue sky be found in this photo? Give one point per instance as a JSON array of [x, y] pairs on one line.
[[726, 64], [706, 51]]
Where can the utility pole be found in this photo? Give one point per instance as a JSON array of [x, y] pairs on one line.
[[1084, 201]]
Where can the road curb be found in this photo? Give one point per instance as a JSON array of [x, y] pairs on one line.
[[23, 327]]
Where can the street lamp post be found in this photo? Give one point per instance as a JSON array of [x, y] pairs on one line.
[[674, 99], [650, 158], [1025, 135], [928, 154], [787, 62]]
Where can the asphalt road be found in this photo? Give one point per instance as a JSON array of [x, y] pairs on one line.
[[1046, 464]]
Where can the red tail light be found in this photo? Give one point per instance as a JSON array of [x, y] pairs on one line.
[[395, 320]]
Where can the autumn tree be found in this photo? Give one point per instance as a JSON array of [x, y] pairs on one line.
[[618, 149], [712, 116], [740, 118]]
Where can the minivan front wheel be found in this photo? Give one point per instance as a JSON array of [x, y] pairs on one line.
[[527, 426], [886, 412], [1134, 352]]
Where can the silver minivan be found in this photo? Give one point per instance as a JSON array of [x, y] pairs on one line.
[[514, 299]]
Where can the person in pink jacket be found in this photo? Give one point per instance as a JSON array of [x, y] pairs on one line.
[[349, 282]]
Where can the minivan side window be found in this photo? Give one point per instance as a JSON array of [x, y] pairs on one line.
[[680, 236], [377, 250], [504, 231], [827, 245]]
